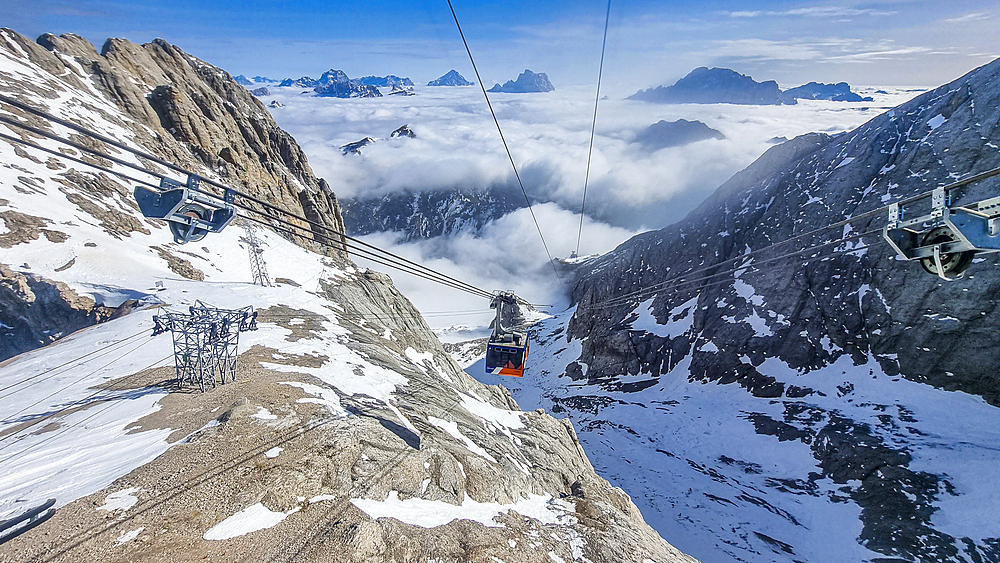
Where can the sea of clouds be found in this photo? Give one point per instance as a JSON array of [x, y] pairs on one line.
[[631, 189]]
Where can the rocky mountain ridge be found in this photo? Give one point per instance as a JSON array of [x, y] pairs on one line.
[[839, 355], [527, 82], [663, 134], [172, 105], [431, 213], [451, 78], [722, 85], [840, 92]]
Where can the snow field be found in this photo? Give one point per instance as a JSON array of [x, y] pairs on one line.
[[689, 455]]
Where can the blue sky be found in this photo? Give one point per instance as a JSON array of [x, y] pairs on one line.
[[881, 42]]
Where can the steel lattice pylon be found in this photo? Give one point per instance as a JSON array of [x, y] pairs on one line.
[[206, 342], [257, 266]]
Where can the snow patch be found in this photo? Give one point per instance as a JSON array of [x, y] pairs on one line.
[[250, 519], [122, 500], [434, 513]]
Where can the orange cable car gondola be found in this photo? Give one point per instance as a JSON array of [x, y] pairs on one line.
[[507, 349]]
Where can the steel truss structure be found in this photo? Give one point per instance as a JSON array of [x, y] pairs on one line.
[[206, 342], [257, 266]]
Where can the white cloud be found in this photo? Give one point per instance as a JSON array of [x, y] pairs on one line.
[[812, 11], [457, 145], [974, 16], [507, 254]]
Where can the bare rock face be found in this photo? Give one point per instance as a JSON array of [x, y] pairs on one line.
[[35, 311], [187, 112]]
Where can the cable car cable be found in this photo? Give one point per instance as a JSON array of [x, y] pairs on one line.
[[504, 140], [593, 128], [455, 282], [618, 300]]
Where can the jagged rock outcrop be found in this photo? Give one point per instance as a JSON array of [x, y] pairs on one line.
[[171, 105], [527, 82], [663, 134], [839, 92], [451, 78], [261, 92], [430, 213], [185, 111], [304, 82], [714, 86], [403, 131], [398, 90], [862, 309], [356, 146], [336, 84], [389, 81], [35, 311]]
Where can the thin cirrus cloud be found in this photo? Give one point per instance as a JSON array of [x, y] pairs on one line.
[[974, 16], [814, 11]]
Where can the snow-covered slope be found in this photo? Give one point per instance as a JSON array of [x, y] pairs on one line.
[[348, 434], [840, 408], [729, 477]]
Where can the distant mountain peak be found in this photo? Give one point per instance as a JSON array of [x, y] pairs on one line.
[[663, 134], [451, 78], [839, 92], [705, 85], [526, 82], [403, 131], [356, 146]]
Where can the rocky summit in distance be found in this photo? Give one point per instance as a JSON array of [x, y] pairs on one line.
[[705, 85], [403, 131], [839, 92], [304, 82], [527, 82], [336, 84], [356, 146], [663, 134], [390, 81], [451, 78]]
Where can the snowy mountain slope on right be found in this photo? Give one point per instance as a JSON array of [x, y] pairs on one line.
[[836, 409]]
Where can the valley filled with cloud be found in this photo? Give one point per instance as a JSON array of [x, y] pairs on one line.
[[632, 186]]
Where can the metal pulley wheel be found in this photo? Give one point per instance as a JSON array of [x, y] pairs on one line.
[[191, 232], [953, 263]]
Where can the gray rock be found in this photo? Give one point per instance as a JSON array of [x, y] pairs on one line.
[[403, 131], [385, 81], [356, 146], [663, 134], [840, 92], [714, 86], [336, 84], [526, 82], [451, 78], [430, 213]]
